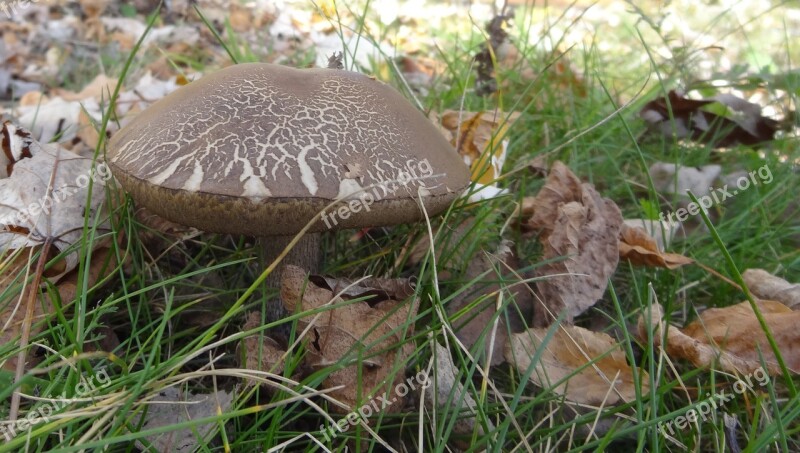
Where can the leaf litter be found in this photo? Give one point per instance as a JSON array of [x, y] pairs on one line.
[[360, 337], [582, 234]]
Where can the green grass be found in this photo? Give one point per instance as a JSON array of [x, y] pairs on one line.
[[177, 305]]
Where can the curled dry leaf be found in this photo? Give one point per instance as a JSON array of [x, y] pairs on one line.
[[486, 81], [636, 246], [580, 241], [604, 377], [676, 115], [171, 407], [732, 336], [258, 351], [17, 144], [561, 187], [767, 286], [445, 392], [661, 231], [479, 137], [371, 336]]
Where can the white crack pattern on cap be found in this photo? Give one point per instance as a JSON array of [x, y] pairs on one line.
[[334, 140]]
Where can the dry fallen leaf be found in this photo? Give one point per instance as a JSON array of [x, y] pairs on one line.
[[17, 144], [364, 335], [12, 309], [479, 137], [562, 187], [260, 352], [477, 323], [33, 209], [100, 88], [103, 262], [674, 179], [87, 132], [446, 392], [685, 118], [662, 231], [767, 286], [636, 246], [30, 213], [608, 380], [732, 336], [581, 246], [172, 406], [93, 27]]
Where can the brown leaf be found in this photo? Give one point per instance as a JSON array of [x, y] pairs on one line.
[[732, 337], [380, 288], [13, 267], [561, 187], [474, 322], [103, 262], [87, 132], [640, 249], [767, 286], [479, 138], [689, 121], [17, 144], [607, 380], [580, 239], [260, 352], [100, 88], [33, 98], [364, 334], [662, 231]]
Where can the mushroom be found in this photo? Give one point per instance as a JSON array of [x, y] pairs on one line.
[[261, 150]]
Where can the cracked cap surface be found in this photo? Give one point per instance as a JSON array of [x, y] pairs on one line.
[[260, 149]]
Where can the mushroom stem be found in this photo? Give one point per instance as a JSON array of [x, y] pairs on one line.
[[306, 254]]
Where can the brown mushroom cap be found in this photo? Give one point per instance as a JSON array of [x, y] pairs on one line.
[[259, 149]]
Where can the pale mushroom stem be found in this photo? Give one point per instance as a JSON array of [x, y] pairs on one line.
[[305, 254]]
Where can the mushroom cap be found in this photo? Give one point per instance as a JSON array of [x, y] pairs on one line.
[[260, 149]]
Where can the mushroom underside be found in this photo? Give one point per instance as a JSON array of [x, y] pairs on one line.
[[277, 216]]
